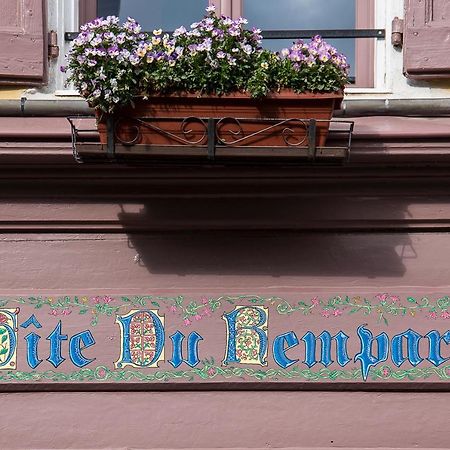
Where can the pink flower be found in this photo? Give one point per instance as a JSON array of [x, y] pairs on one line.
[[445, 315], [315, 301], [54, 312], [198, 317], [101, 373], [382, 297], [395, 298], [3, 318], [386, 372], [211, 371], [187, 322], [432, 315], [173, 309], [325, 313], [66, 312], [337, 312], [205, 300], [96, 299], [206, 312], [107, 299]]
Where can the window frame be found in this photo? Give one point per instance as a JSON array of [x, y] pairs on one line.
[[365, 49]]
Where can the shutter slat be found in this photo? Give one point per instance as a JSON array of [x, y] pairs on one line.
[[427, 39], [22, 41]]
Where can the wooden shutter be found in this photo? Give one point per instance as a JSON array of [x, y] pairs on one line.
[[22, 41], [427, 39]]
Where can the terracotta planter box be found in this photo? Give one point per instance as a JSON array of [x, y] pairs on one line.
[[279, 120]]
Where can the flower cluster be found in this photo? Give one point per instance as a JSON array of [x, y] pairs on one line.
[[314, 66], [215, 56], [110, 63], [103, 61]]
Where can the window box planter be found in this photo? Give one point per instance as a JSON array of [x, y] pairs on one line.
[[280, 120], [248, 99]]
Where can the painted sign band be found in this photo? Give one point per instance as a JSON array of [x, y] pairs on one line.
[[243, 338]]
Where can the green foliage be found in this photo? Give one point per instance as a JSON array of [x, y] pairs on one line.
[[111, 63]]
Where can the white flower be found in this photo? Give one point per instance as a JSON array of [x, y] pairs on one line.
[[179, 31]]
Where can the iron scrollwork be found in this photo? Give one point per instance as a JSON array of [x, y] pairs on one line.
[[134, 126], [230, 131]]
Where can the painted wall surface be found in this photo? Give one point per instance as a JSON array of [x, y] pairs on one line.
[[100, 233]]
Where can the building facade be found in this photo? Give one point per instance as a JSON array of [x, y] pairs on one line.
[[348, 247]]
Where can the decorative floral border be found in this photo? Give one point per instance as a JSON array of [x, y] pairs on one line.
[[209, 371], [383, 305]]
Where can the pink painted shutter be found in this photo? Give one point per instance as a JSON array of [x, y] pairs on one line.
[[427, 39], [22, 41]]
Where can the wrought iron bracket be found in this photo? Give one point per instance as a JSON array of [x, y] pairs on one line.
[[214, 139]]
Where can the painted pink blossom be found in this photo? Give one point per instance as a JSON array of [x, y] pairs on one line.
[[325, 313], [107, 299], [101, 373], [66, 312], [432, 315], [337, 312], [173, 309], [206, 312], [382, 297], [445, 315], [198, 317], [395, 299], [386, 372], [205, 300], [3, 318], [211, 371], [315, 301], [54, 312], [96, 300], [187, 322]]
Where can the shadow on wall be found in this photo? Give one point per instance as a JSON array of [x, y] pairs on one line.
[[266, 236]]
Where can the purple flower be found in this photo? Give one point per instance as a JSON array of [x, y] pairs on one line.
[[192, 48], [217, 32], [63, 69], [134, 60], [113, 50]]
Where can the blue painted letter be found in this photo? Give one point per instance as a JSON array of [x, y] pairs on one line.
[[246, 335], [77, 343], [325, 354], [365, 355], [192, 349], [412, 339], [142, 338], [55, 338], [281, 344], [434, 339], [32, 340]]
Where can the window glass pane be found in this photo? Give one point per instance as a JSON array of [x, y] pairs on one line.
[[306, 15], [151, 14]]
